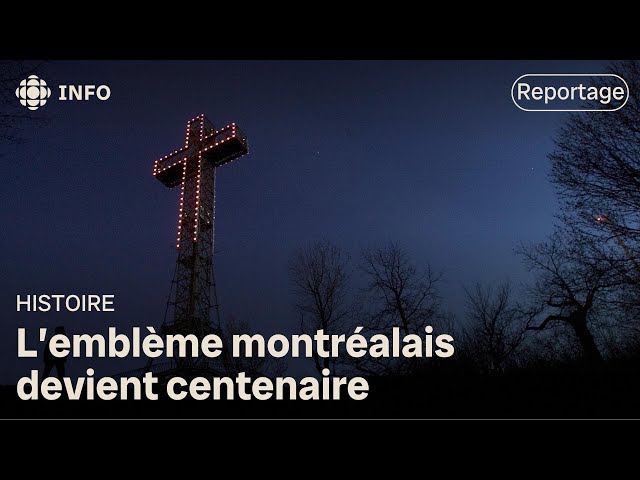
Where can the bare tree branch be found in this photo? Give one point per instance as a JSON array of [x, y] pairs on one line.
[[572, 276], [319, 277], [495, 327], [397, 295]]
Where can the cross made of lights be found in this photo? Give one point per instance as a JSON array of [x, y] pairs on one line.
[[204, 147], [193, 167]]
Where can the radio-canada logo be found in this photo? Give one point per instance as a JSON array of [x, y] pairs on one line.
[[33, 92]]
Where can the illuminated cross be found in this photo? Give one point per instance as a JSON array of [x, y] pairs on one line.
[[193, 167]]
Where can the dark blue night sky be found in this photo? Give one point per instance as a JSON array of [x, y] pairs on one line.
[[433, 155]]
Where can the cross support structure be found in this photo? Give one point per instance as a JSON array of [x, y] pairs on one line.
[[192, 168]]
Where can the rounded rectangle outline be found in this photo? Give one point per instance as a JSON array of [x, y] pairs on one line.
[[569, 75]]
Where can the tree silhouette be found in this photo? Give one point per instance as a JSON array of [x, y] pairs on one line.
[[574, 277], [596, 168], [495, 327], [398, 294], [404, 296], [319, 277]]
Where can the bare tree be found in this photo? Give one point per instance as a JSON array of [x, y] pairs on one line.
[[403, 296], [13, 116], [596, 167], [573, 279], [397, 295], [496, 328], [319, 277]]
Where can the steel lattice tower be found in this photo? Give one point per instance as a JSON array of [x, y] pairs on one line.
[[193, 168]]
